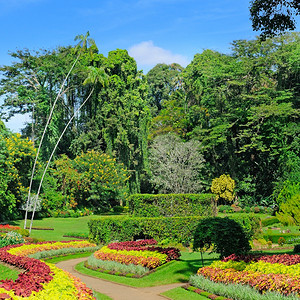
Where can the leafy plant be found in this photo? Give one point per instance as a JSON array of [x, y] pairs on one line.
[[223, 187], [11, 238], [116, 266], [170, 205], [224, 235]]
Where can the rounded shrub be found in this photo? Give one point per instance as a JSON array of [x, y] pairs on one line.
[[224, 235]]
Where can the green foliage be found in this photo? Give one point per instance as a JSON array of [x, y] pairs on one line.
[[170, 205], [223, 187], [250, 224], [225, 209], [11, 238], [176, 166], [225, 235], [273, 17], [92, 179], [174, 229], [236, 291], [269, 221], [242, 108], [289, 189], [289, 238], [178, 229], [116, 266], [23, 232], [16, 159], [297, 249], [289, 212], [119, 209], [162, 81]]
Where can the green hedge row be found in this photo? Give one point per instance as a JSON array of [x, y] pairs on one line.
[[180, 229], [269, 221], [177, 229], [290, 238], [170, 205]]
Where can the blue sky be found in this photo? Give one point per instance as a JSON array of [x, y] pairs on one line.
[[153, 31]]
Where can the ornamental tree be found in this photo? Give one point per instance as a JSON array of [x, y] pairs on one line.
[[176, 166], [92, 179], [223, 187], [224, 235]]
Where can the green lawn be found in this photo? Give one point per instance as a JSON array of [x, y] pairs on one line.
[[61, 226], [180, 293], [8, 273]]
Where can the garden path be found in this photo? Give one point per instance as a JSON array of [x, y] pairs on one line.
[[115, 290]]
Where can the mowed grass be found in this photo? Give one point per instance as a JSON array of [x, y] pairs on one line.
[[61, 226], [8, 273], [180, 293], [172, 272]]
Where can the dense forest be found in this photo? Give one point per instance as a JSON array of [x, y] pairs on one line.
[[172, 130]]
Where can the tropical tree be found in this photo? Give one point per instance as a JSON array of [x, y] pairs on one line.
[[162, 81], [92, 179], [273, 16], [16, 161]]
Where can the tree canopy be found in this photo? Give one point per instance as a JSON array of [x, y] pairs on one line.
[[272, 17], [235, 114]]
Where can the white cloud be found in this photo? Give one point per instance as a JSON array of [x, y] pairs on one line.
[[147, 54]]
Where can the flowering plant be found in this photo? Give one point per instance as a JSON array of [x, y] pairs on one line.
[[41, 280]]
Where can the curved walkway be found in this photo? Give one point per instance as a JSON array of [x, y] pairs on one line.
[[115, 290]]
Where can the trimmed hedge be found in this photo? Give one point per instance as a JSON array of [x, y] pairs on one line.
[[269, 221], [180, 229], [170, 205], [289, 238], [177, 229]]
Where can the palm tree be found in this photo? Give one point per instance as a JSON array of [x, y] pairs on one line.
[[82, 45], [95, 75]]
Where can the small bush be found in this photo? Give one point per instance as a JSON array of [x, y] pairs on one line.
[[223, 234], [225, 209], [281, 241], [11, 238], [297, 248]]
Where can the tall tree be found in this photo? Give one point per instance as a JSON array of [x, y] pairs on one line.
[[272, 17], [243, 108], [119, 121], [162, 81], [176, 165]]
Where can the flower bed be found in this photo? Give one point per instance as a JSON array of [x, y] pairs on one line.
[[171, 252], [41, 280], [6, 228], [280, 273], [141, 253]]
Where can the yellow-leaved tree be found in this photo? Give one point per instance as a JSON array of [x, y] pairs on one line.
[[223, 187]]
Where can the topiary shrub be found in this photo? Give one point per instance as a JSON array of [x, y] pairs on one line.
[[297, 248], [224, 235]]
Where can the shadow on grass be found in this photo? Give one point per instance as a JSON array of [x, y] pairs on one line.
[[189, 264]]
